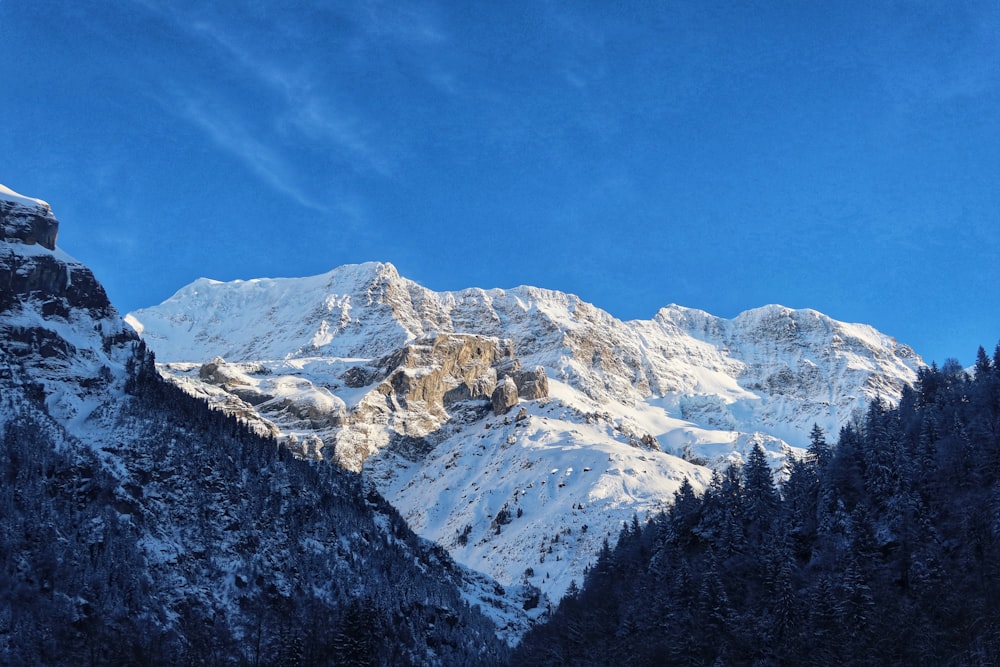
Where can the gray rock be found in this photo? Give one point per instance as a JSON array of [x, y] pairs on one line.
[[443, 369], [28, 224], [504, 396], [356, 377], [210, 371], [60, 286], [532, 384]]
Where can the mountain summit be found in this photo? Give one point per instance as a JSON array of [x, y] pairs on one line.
[[598, 419]]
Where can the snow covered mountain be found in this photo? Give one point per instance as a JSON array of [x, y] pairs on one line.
[[61, 335], [517, 428], [139, 527]]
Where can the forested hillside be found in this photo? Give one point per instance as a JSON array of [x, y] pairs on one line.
[[881, 550], [194, 541]]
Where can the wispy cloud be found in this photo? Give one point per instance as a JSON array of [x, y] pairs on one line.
[[233, 137], [275, 109], [398, 22], [309, 112]]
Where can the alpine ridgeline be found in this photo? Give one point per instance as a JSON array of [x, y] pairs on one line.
[[138, 526], [517, 428]]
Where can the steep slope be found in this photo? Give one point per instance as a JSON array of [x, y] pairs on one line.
[[139, 527], [878, 551], [344, 366]]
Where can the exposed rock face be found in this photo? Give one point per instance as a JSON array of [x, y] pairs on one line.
[[28, 224], [59, 284], [56, 323], [210, 371], [504, 396], [52, 281], [533, 384], [405, 396], [443, 369], [421, 384]]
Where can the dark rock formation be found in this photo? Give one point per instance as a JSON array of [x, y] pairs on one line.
[[59, 286], [28, 224]]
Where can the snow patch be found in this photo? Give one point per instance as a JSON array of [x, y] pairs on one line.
[[9, 195]]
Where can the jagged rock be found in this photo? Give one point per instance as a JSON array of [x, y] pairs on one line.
[[26, 341], [309, 414], [58, 285], [533, 384], [249, 394], [444, 369], [210, 371], [28, 224], [504, 396], [415, 391], [419, 387], [356, 377]]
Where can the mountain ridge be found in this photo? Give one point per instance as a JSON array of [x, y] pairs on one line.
[[632, 408]]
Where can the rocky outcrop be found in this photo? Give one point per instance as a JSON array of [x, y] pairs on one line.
[[532, 384], [444, 369], [406, 396], [421, 384], [59, 331], [28, 224], [217, 371], [62, 291], [516, 383], [504, 396], [58, 284]]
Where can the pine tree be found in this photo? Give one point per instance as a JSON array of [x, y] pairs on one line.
[[819, 450], [800, 507], [683, 515], [983, 364], [357, 638], [761, 496]]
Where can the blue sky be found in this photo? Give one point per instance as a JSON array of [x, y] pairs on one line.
[[719, 155]]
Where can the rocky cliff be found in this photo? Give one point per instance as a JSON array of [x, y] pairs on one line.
[[56, 322], [347, 411], [27, 220]]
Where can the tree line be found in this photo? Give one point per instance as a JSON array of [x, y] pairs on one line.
[[881, 550]]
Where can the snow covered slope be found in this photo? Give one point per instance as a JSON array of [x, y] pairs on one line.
[[775, 366], [366, 367], [139, 527]]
